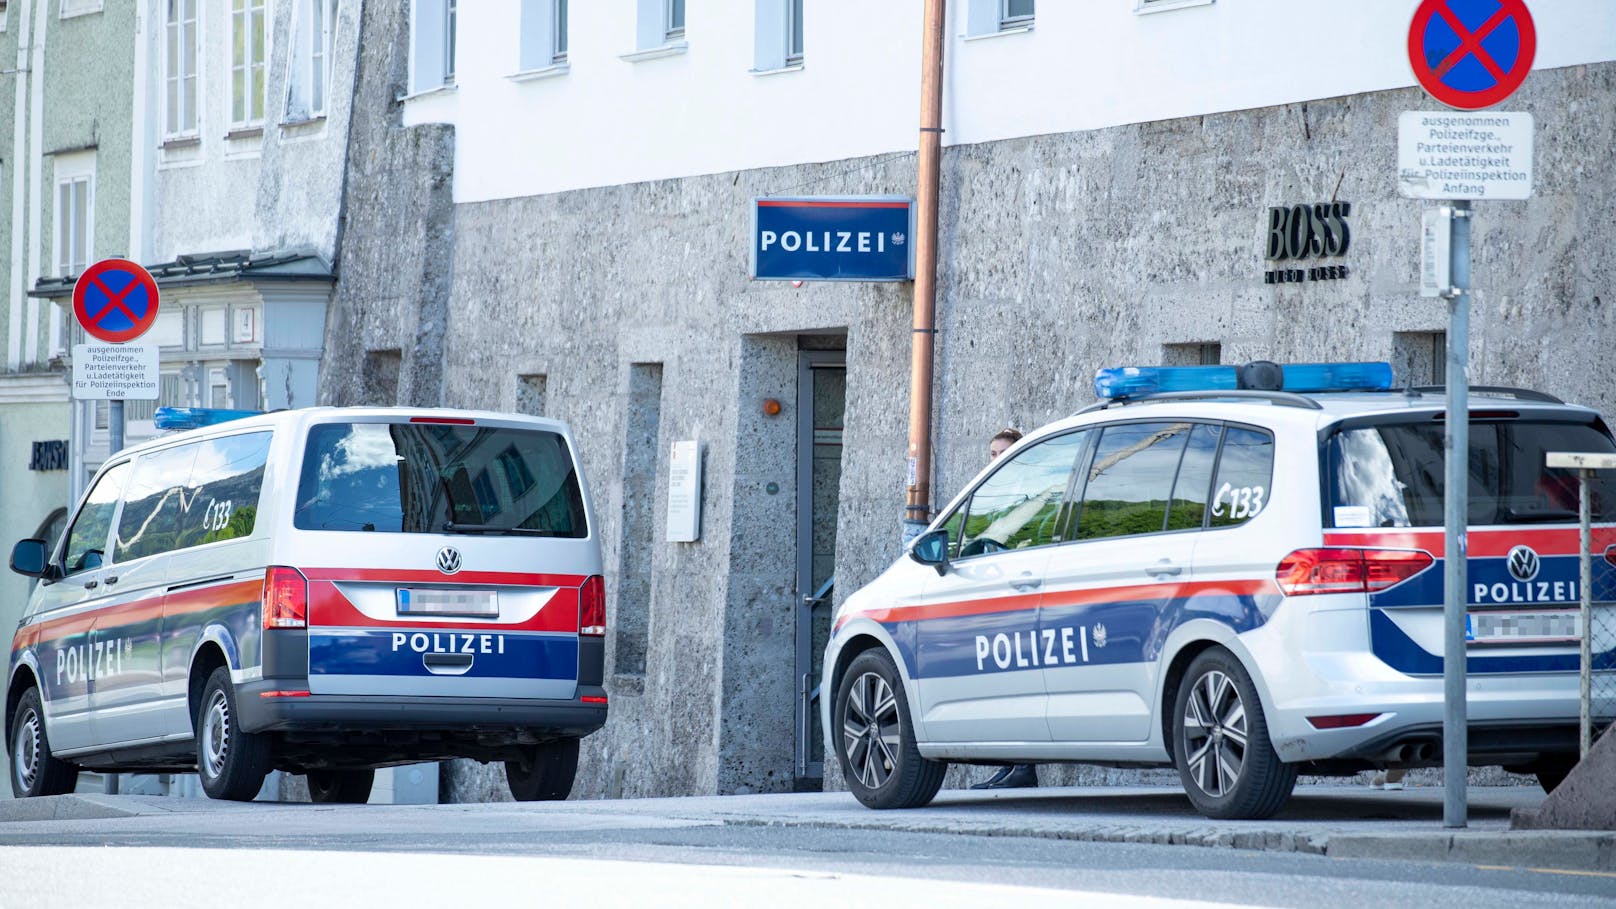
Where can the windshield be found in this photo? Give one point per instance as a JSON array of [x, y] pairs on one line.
[[1393, 475], [438, 478]]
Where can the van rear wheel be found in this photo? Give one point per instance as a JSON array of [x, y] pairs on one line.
[[1220, 743], [34, 770], [340, 787], [545, 773], [232, 763]]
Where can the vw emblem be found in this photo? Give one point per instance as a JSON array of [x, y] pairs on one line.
[[448, 560], [1099, 634], [1523, 563]]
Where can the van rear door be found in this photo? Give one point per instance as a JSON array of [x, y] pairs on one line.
[[443, 557]]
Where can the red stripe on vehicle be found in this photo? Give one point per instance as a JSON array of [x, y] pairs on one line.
[[198, 599], [1482, 544], [1062, 598]]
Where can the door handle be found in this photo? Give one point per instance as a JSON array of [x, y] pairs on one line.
[[91, 585], [112, 580], [1164, 569], [1027, 582]]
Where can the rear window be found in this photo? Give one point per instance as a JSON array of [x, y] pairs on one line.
[[1393, 475], [436, 478]]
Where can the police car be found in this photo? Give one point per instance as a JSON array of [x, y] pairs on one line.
[[323, 591], [1236, 572]]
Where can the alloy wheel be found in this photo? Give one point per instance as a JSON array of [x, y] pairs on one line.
[[1215, 733], [871, 730]]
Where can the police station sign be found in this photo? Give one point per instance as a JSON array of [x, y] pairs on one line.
[[833, 238]]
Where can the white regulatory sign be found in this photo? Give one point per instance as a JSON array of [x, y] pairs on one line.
[[120, 372], [684, 492], [1463, 155], [1436, 250]]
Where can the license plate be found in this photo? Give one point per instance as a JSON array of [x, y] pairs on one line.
[[1539, 627], [475, 603]]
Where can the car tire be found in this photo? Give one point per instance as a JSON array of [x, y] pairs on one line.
[[232, 763], [340, 787], [880, 758], [34, 770], [545, 774], [1221, 746]]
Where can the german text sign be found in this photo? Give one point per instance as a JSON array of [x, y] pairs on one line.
[[115, 372], [1452, 155], [833, 238], [684, 492]]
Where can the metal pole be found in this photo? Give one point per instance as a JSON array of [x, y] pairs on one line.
[[1584, 512], [109, 782], [918, 510], [1455, 732]]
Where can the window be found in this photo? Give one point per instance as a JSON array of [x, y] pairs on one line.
[[221, 500], [309, 79], [180, 69], [1245, 469], [777, 39], [152, 508], [409, 478], [544, 34], [87, 540], [674, 20], [1019, 505], [1131, 479], [433, 29], [1015, 13], [246, 63], [659, 28], [1187, 510], [75, 208]]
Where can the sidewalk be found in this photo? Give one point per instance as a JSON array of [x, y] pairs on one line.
[[1334, 821]]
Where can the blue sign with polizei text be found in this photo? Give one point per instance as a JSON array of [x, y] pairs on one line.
[[833, 238]]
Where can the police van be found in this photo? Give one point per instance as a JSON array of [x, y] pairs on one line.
[[1236, 572], [323, 591]]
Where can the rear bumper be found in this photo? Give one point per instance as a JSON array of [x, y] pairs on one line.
[[349, 713]]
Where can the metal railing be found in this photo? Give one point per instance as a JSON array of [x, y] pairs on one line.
[[1598, 608]]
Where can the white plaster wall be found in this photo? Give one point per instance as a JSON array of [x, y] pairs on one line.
[[1087, 64]]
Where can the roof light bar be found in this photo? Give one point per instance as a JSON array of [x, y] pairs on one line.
[[1124, 382], [173, 419]]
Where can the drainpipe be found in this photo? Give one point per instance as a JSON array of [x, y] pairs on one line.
[[917, 513]]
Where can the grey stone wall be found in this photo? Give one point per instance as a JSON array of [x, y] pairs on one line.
[[1060, 254]]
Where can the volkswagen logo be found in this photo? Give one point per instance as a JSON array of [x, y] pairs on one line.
[[449, 560], [1523, 563]]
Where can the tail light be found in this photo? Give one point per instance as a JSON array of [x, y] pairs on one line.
[[592, 606], [286, 598], [1310, 571]]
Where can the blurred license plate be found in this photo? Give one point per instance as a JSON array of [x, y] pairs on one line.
[[1523, 627], [484, 603]]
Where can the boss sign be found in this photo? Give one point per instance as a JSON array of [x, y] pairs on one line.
[[833, 238]]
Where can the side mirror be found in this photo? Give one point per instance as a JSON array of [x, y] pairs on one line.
[[931, 548], [28, 557]]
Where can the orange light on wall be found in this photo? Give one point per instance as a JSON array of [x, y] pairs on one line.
[[771, 407]]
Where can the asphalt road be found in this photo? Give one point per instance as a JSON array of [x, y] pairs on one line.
[[971, 848]]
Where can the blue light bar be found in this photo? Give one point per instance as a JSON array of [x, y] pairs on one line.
[[1138, 381], [173, 419]]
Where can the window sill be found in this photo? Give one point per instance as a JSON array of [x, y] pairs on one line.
[[788, 68], [1012, 30], [314, 120], [74, 14], [244, 132], [448, 88], [174, 143], [543, 72], [1162, 6], [671, 49]]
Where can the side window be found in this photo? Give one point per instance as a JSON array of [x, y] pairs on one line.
[[150, 522], [221, 499], [87, 538], [1194, 483], [1130, 480], [1245, 475], [1020, 504], [953, 525]]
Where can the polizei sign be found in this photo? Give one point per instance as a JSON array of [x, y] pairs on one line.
[[833, 238]]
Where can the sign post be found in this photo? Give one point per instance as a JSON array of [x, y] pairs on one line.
[[1467, 54], [115, 300]]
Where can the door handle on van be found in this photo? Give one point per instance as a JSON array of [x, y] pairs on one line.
[[91, 585], [1027, 582], [110, 581], [1164, 569], [447, 663]]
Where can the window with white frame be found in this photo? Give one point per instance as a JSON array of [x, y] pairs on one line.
[[247, 52], [673, 20], [659, 28], [180, 68], [544, 35], [1015, 13], [992, 17], [778, 37], [74, 212], [308, 83], [432, 44]]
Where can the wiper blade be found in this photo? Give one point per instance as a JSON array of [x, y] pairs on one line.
[[1544, 516], [452, 527]]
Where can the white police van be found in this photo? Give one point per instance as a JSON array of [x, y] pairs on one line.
[[1246, 584], [323, 591]]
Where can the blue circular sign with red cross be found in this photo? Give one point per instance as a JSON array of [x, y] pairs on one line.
[[1471, 54], [115, 300]]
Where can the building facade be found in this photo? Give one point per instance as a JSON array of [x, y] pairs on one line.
[[566, 193]]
